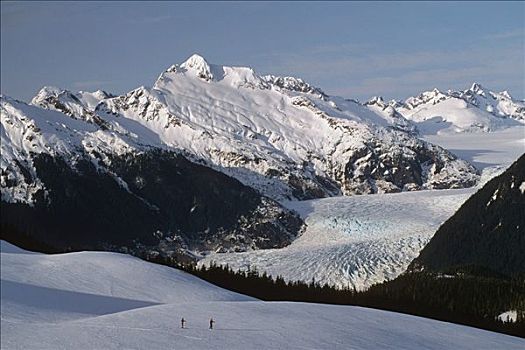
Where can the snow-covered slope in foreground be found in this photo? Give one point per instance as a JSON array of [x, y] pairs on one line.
[[111, 301]]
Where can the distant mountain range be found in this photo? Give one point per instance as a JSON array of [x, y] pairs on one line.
[[471, 110]]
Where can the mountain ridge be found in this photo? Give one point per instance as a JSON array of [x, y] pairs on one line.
[[475, 109], [279, 135]]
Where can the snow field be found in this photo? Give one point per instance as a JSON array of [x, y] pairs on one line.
[[163, 295]]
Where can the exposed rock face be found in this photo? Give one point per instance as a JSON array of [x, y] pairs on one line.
[[293, 84]]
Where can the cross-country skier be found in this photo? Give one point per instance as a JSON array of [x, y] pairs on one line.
[[182, 322], [211, 323]]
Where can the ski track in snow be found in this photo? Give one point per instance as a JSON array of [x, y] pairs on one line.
[[30, 321], [357, 241]]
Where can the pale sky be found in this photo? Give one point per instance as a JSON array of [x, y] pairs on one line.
[[351, 49]]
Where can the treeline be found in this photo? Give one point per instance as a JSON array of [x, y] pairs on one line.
[[467, 300]]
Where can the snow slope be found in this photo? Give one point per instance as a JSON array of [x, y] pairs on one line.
[[111, 301], [455, 115], [92, 99], [487, 152], [361, 240]]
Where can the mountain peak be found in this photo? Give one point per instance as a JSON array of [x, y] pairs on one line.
[[193, 60], [48, 90], [376, 100], [195, 64], [506, 94], [98, 93], [45, 93], [478, 89], [199, 65]]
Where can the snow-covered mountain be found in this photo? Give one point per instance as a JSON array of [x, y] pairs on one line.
[[96, 300], [78, 106], [500, 104], [389, 110], [361, 240], [283, 136], [471, 110], [279, 135], [71, 183]]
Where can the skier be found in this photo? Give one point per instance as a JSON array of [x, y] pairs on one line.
[[211, 323], [182, 322]]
